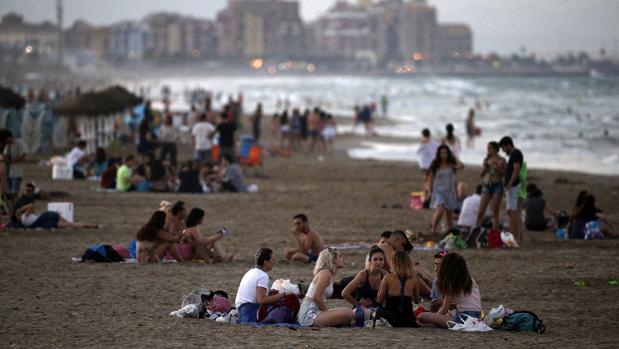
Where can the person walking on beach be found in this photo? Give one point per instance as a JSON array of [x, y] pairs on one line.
[[452, 141], [441, 186], [254, 287], [168, 136], [426, 151], [512, 186], [309, 242], [256, 123]]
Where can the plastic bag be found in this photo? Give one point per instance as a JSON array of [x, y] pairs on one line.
[[508, 240], [470, 324], [284, 285]]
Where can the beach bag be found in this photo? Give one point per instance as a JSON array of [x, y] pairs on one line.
[[101, 253], [284, 310], [523, 321], [416, 200], [494, 239], [593, 231]]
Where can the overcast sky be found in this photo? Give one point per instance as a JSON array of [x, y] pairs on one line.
[[500, 25]]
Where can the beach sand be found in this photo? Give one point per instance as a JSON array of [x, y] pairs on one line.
[[46, 300]]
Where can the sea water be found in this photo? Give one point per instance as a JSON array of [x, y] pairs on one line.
[[564, 123]]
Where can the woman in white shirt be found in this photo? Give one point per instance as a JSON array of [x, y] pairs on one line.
[[254, 287]]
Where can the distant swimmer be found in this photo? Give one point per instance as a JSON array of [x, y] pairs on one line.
[[606, 134], [470, 128]]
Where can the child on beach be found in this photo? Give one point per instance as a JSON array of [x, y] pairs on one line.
[[457, 287]]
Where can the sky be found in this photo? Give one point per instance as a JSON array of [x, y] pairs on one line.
[[504, 26]]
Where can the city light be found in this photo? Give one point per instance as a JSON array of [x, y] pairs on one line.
[[272, 70], [28, 50], [256, 63], [311, 68], [418, 56]]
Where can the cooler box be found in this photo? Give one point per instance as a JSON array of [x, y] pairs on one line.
[[62, 171], [65, 209]]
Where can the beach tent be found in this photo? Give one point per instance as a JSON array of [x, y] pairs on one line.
[[91, 116]]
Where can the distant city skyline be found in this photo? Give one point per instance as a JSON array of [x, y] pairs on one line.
[[504, 26]]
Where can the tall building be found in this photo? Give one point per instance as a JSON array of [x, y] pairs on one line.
[[454, 41], [127, 41], [344, 31], [417, 31], [260, 29], [39, 41], [199, 38], [164, 36]]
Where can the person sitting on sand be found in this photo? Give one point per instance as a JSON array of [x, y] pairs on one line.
[[254, 287], [175, 218], [79, 160], [153, 242], [24, 214], [590, 213], [208, 249], [457, 287], [534, 208], [363, 289], [398, 290], [126, 180], [232, 179], [399, 242], [314, 311], [309, 242]]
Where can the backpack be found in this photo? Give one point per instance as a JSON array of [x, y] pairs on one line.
[[494, 239], [101, 253], [593, 231], [523, 321]]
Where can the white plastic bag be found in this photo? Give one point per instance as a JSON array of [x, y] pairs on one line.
[[494, 315], [470, 324], [188, 311], [508, 240], [284, 285]]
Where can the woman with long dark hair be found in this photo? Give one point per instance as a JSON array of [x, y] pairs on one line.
[[458, 288], [452, 141], [363, 289], [208, 249], [441, 186], [153, 241]]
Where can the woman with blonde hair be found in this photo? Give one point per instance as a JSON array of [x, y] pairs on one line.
[[397, 292], [313, 311]]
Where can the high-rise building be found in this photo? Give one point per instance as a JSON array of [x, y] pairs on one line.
[[260, 29], [454, 41], [127, 41], [417, 32]]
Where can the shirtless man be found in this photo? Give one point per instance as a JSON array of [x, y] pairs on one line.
[[313, 128], [309, 242], [399, 242]]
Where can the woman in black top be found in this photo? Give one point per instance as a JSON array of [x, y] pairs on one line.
[[363, 289], [398, 291]]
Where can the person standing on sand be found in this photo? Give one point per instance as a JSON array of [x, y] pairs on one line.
[[256, 123], [309, 241], [426, 151], [512, 186], [201, 134], [492, 172], [254, 287], [441, 186], [452, 141]]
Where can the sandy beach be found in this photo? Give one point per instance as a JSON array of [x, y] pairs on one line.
[[46, 300]]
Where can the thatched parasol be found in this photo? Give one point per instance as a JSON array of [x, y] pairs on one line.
[[10, 100], [111, 100]]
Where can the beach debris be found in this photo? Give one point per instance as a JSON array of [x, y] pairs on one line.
[[581, 283], [613, 282]]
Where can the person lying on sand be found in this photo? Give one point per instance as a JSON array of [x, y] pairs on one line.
[[24, 214], [309, 242], [208, 249]]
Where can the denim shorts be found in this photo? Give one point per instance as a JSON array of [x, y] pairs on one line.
[[511, 198], [492, 188], [248, 312]]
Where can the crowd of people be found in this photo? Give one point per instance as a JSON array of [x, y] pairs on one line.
[[501, 180]]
